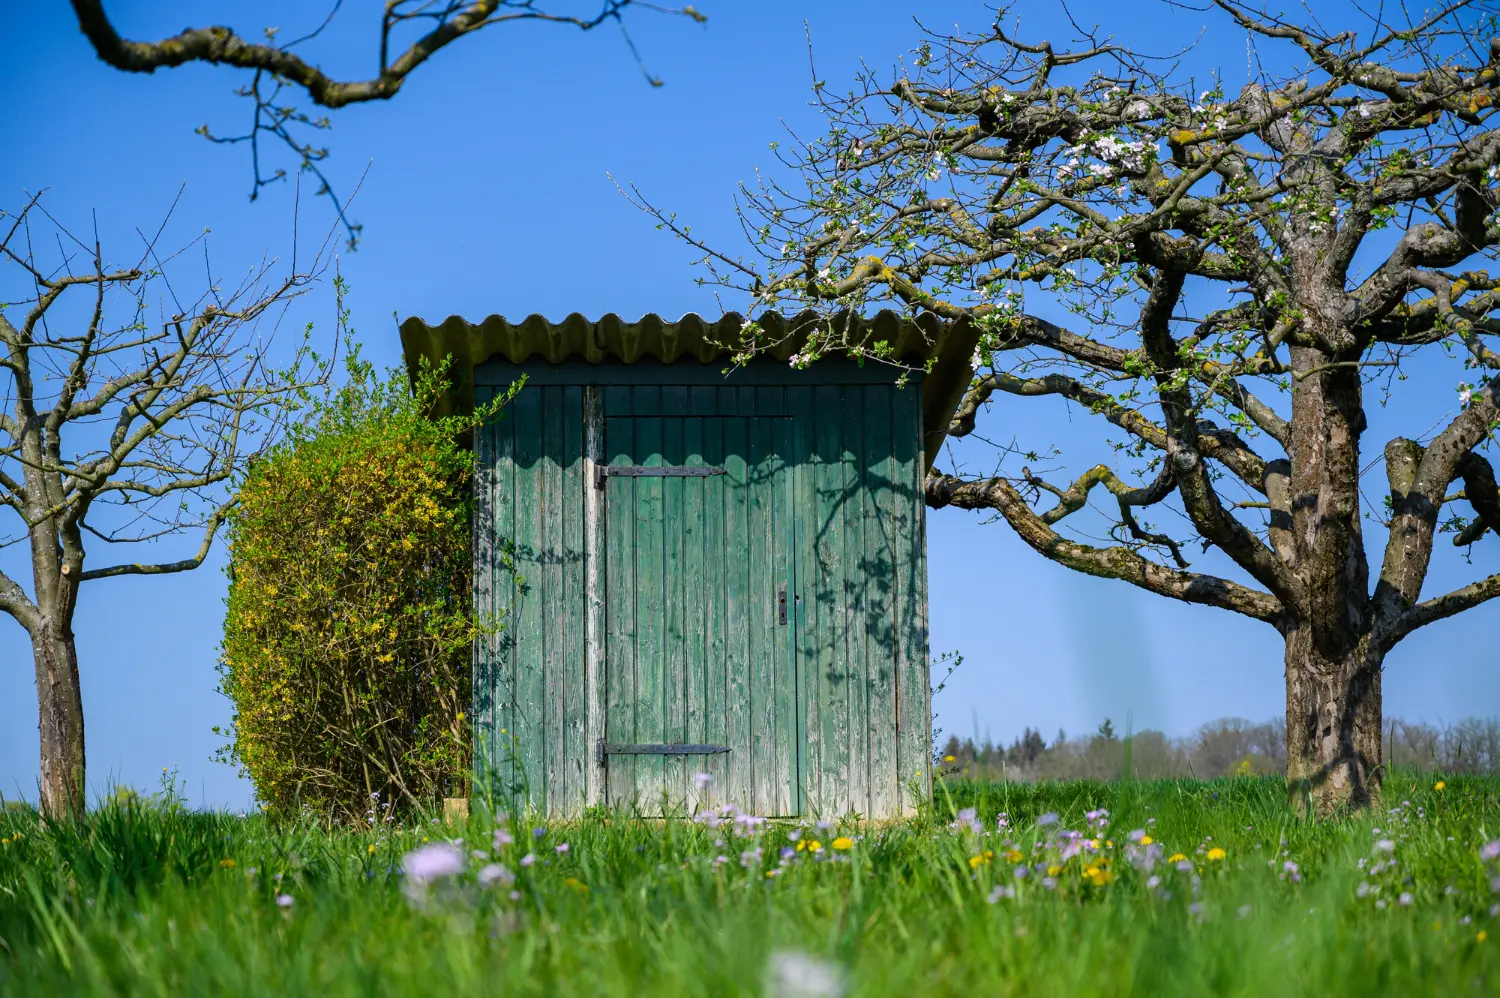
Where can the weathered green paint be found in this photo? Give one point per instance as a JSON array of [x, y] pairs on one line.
[[825, 715]]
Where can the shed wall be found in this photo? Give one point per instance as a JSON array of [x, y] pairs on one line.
[[862, 707]]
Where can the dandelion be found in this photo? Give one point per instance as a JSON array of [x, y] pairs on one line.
[[814, 846], [432, 862], [1176, 857], [577, 885], [1440, 785], [1215, 855], [371, 850], [227, 864], [285, 900], [976, 861], [843, 843]]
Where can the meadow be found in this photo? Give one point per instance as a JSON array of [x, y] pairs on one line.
[[1079, 888]]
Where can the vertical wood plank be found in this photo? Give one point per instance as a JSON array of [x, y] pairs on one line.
[[881, 584], [531, 596], [717, 493], [803, 523], [826, 667], [675, 540], [914, 733], [572, 791], [737, 610], [694, 597], [595, 586], [650, 606], [783, 573], [553, 600], [855, 586], [619, 532], [505, 604]]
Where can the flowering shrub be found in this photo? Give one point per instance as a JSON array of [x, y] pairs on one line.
[[346, 642]]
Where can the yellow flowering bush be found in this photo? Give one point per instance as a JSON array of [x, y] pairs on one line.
[[349, 626]]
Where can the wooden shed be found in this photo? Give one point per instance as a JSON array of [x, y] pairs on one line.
[[698, 570]]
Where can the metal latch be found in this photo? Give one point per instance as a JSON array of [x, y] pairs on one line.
[[781, 604], [603, 471], [603, 749]]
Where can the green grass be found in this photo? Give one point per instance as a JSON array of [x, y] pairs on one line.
[[154, 900]]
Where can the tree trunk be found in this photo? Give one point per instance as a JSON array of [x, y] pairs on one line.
[[1333, 718], [60, 712]]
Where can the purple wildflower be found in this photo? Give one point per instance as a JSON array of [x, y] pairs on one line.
[[433, 862], [496, 874]]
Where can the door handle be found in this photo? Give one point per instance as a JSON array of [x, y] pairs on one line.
[[781, 604]]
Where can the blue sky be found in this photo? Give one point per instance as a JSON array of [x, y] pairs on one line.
[[485, 190]]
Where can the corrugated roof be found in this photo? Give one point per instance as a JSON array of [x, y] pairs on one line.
[[613, 339]]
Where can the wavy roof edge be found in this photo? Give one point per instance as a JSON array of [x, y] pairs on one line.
[[948, 343], [611, 337]]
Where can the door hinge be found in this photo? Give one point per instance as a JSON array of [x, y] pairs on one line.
[[603, 749], [603, 471]]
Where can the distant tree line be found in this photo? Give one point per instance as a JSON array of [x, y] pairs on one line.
[[1229, 746]]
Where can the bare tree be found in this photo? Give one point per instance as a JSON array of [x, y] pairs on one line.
[[410, 33], [119, 426], [1246, 269]]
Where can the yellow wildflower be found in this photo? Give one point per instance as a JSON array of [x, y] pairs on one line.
[[1176, 857], [1012, 855], [1481, 936], [947, 758], [227, 863], [1098, 876], [801, 845], [1215, 854], [1053, 871], [371, 850], [814, 846], [577, 885], [843, 843], [1439, 785], [1146, 840], [976, 861]]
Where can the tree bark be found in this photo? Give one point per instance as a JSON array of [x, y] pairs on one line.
[[60, 713], [1333, 724]]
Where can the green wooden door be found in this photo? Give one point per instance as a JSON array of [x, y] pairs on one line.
[[700, 614]]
